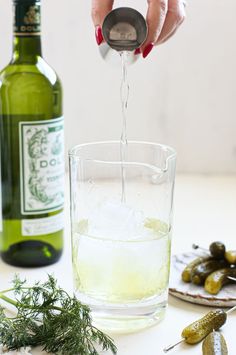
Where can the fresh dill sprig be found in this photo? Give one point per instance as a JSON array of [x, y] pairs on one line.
[[49, 317]]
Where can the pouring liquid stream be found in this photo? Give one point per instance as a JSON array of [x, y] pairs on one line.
[[124, 95]]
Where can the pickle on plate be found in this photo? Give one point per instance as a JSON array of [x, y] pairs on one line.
[[198, 330], [186, 274], [217, 250], [214, 344], [230, 256], [203, 270], [216, 280]]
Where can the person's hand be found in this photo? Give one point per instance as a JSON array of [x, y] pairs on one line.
[[163, 19]]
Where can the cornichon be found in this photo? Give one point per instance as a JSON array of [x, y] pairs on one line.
[[217, 250], [230, 256], [186, 274], [198, 330], [214, 344], [201, 328], [200, 272], [216, 280]]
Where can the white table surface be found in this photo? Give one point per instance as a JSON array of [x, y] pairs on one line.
[[205, 210]]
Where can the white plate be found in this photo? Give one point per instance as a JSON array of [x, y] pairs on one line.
[[196, 294]]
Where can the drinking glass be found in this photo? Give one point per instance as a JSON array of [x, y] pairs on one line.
[[121, 222]]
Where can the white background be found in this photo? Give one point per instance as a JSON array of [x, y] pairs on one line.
[[183, 94]]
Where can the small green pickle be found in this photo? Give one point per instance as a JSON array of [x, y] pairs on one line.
[[217, 279], [199, 329], [230, 256], [202, 271], [186, 274], [214, 344], [217, 250]]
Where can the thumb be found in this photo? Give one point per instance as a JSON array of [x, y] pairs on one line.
[[156, 14]]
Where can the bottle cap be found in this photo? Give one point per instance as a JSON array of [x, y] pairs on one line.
[[124, 29]]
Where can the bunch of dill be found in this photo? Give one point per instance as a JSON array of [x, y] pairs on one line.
[[49, 317]]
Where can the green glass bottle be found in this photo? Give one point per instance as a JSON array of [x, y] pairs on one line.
[[32, 149]]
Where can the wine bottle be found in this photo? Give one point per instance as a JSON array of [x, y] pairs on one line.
[[32, 148]]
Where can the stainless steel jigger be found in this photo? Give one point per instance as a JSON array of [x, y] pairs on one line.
[[124, 29]]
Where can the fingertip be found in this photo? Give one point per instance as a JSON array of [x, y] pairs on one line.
[[98, 35], [156, 15], [137, 51], [147, 49]]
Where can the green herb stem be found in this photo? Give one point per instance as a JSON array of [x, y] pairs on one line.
[[17, 304], [8, 300], [6, 291]]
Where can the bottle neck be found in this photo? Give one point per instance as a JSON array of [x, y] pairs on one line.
[[27, 30], [26, 50]]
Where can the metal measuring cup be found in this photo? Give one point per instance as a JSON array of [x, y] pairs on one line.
[[124, 29]]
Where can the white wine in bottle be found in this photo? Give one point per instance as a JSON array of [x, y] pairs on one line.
[[32, 148]]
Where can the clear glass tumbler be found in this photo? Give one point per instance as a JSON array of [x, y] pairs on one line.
[[121, 219]]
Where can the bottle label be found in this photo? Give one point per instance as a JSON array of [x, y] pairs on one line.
[[42, 226], [41, 166], [27, 19]]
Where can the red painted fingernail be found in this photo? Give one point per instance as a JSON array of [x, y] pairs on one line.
[[137, 51], [98, 34], [147, 49]]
